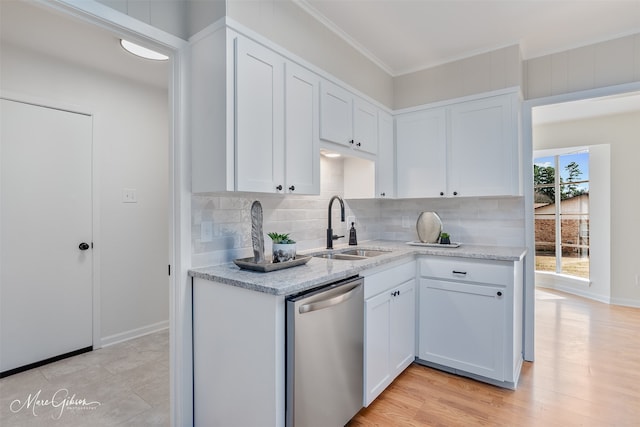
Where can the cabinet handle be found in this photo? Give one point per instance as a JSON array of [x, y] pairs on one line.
[[292, 188], [442, 193], [499, 293], [351, 141], [463, 273], [455, 193], [279, 188]]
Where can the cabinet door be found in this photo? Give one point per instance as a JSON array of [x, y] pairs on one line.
[[336, 114], [365, 126], [462, 326], [377, 346], [259, 118], [385, 162], [302, 144], [403, 327], [483, 148], [421, 154]]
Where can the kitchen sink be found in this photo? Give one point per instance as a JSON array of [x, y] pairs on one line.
[[352, 254]]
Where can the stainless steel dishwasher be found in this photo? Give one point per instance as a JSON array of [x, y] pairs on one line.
[[325, 332]]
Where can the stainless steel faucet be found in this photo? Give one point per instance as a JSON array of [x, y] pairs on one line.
[[330, 236]]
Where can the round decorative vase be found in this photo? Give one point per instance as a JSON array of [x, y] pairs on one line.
[[283, 252], [429, 227]]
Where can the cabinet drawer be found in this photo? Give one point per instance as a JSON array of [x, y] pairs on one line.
[[388, 279], [467, 270]]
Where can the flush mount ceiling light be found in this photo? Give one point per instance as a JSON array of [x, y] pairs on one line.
[[141, 51]]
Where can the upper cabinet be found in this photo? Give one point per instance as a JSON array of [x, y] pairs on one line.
[[254, 118], [421, 153], [465, 149], [259, 130], [347, 120], [385, 164]]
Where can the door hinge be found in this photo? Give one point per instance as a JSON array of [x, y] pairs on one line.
[[169, 269]]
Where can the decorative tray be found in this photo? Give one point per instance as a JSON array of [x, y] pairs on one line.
[[267, 265], [435, 245]]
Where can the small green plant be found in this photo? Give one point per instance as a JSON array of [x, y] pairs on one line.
[[280, 238], [444, 235]]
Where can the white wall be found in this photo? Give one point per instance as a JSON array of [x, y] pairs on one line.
[[620, 132], [131, 139], [602, 64], [486, 72], [286, 24]]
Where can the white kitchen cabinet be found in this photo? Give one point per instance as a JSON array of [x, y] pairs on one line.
[[365, 126], [464, 149], [259, 118], [336, 114], [389, 327], [302, 140], [347, 120], [470, 318], [385, 162], [254, 118], [483, 154], [421, 153]]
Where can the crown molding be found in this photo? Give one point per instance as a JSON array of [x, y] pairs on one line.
[[318, 16]]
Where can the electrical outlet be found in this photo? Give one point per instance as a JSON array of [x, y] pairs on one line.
[[206, 231], [129, 195]]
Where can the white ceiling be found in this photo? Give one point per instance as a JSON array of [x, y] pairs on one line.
[[402, 36], [50, 33], [393, 30]]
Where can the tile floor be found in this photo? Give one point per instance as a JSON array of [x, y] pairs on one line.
[[129, 382]]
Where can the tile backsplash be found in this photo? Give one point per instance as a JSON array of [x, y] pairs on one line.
[[494, 221]]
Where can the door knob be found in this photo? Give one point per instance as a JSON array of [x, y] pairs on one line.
[[83, 246]]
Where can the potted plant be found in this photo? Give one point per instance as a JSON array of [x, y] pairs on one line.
[[284, 248], [444, 239]]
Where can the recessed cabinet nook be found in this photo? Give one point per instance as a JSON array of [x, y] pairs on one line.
[[261, 115]]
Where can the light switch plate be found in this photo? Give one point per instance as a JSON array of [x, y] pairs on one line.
[[129, 195]]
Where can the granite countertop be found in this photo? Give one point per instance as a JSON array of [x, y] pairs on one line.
[[319, 270]]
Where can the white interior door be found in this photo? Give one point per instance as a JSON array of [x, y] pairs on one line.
[[45, 215]]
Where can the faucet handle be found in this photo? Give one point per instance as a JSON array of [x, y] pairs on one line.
[[336, 237]]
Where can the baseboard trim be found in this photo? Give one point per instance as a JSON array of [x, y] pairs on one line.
[[626, 302], [133, 333], [44, 362]]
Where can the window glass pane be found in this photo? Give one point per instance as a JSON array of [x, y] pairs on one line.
[[545, 232], [575, 245]]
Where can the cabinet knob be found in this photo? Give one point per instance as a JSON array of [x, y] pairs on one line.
[[83, 246], [292, 188], [351, 141], [455, 193], [442, 193], [358, 144], [499, 294], [383, 194], [279, 188]]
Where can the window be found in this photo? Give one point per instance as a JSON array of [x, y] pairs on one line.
[[561, 212]]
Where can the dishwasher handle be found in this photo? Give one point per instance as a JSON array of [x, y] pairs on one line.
[[335, 300]]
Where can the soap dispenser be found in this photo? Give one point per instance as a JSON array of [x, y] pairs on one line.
[[353, 240]]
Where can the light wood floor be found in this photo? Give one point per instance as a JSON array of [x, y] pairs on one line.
[[586, 373]]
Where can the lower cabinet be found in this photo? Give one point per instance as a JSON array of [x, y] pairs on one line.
[[390, 300], [470, 318], [462, 326]]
